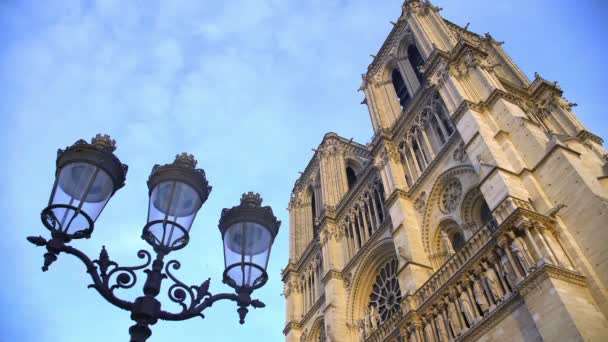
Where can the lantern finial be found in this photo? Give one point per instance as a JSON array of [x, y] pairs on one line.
[[105, 142], [185, 160], [251, 200]]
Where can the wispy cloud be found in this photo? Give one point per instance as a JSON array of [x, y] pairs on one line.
[[249, 87]]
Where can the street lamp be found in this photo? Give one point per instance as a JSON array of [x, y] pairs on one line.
[[87, 177]]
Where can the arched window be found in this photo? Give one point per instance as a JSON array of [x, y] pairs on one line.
[[418, 155], [415, 58], [313, 210], [457, 239], [351, 177], [443, 115], [400, 88], [437, 130], [485, 215], [454, 234]]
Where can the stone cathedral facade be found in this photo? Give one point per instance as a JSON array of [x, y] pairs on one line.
[[479, 210]]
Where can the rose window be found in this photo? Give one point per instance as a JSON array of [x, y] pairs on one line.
[[450, 197], [386, 295]]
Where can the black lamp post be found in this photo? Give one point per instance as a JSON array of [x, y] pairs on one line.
[[86, 178]]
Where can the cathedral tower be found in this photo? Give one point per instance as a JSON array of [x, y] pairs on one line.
[[478, 210]]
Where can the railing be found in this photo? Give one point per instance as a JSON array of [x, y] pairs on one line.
[[483, 277]]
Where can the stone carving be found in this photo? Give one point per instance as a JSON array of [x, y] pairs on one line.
[[348, 280], [392, 152], [493, 283], [453, 318], [442, 330], [331, 147], [446, 243], [450, 196], [480, 296], [440, 76], [374, 317], [361, 330], [367, 322], [508, 271], [380, 161], [459, 154], [428, 332], [467, 308], [520, 250], [420, 202]]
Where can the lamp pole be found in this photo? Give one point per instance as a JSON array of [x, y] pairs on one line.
[[88, 175]]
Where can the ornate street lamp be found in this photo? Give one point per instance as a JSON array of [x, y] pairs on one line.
[[86, 178]]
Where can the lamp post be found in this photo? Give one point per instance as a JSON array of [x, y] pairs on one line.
[[88, 175]]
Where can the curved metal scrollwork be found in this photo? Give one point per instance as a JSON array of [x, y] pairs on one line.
[[181, 294], [108, 276], [125, 276]]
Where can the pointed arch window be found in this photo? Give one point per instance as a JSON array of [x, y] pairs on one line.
[[313, 210], [400, 88], [351, 177], [418, 155], [416, 61], [437, 130]]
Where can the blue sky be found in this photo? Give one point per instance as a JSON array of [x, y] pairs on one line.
[[248, 87]]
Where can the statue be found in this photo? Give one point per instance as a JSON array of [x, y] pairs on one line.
[[442, 330], [508, 271], [367, 322], [467, 308], [413, 335], [428, 332], [480, 296], [520, 249], [361, 329], [375, 317], [453, 318], [494, 284], [447, 244]]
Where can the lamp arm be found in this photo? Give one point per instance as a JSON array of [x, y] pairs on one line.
[[107, 275], [198, 310], [199, 298]]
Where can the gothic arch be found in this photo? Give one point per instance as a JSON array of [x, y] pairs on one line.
[[364, 276], [317, 331], [432, 215], [405, 41]]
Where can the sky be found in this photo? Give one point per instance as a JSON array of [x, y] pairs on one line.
[[247, 86]]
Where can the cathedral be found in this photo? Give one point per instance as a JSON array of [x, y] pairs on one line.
[[479, 210]]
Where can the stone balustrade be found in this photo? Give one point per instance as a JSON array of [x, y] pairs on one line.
[[484, 276]]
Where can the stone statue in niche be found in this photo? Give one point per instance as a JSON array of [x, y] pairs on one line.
[[453, 318], [467, 308], [442, 331], [375, 317], [494, 283], [508, 271], [480, 296], [367, 321], [428, 332], [520, 249], [361, 329], [447, 244]]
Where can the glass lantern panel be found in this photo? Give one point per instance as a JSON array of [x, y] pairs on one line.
[[81, 187], [173, 204], [246, 243]]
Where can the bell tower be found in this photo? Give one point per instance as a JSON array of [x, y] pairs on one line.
[[478, 208]]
